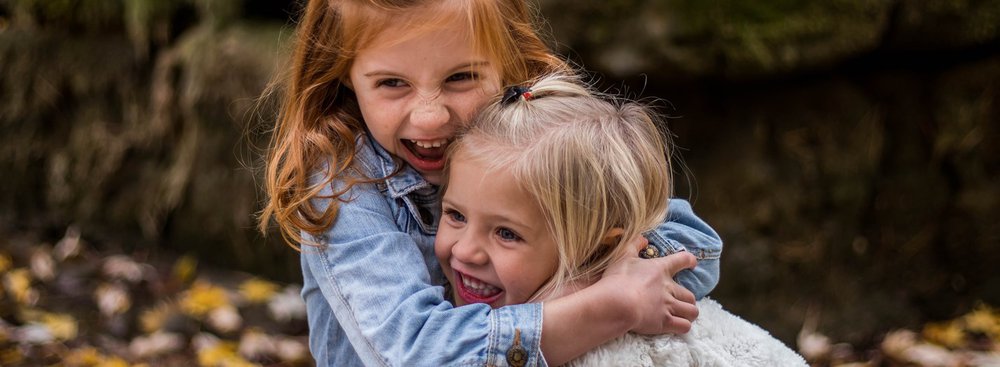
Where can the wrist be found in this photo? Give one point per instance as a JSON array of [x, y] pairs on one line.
[[615, 303], [590, 317]]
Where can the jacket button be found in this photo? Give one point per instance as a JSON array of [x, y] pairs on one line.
[[516, 355], [649, 252]]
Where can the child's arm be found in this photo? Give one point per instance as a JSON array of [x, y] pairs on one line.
[[370, 285], [624, 285], [684, 231]]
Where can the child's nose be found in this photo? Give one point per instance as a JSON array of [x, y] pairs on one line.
[[430, 113], [469, 250]]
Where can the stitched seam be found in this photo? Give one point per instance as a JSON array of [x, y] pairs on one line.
[[493, 336], [538, 339], [353, 318]]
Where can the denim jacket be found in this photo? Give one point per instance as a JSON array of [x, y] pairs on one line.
[[374, 289]]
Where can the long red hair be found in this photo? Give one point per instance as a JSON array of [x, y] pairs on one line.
[[319, 116]]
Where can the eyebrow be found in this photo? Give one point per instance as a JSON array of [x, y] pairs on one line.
[[457, 68]]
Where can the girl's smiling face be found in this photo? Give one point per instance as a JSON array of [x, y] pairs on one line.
[[492, 241], [414, 90]]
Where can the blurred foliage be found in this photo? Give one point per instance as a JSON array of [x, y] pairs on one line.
[[847, 151], [72, 305]]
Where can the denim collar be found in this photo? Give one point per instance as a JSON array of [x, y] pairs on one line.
[[403, 183]]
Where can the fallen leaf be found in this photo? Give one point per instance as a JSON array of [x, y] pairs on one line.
[[258, 290], [112, 299], [202, 298], [287, 305]]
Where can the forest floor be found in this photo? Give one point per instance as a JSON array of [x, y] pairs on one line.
[[69, 304]]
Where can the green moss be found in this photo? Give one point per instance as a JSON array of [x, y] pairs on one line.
[[778, 34], [950, 22]]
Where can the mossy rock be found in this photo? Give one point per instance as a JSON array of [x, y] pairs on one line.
[[731, 39]]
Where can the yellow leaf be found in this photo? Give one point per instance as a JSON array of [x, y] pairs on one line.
[[185, 268], [18, 284], [113, 362], [62, 327], [202, 298], [222, 354], [88, 356], [983, 320], [258, 290], [948, 334], [153, 320]]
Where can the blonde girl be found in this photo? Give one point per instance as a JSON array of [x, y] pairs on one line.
[[374, 94], [550, 183], [543, 191]]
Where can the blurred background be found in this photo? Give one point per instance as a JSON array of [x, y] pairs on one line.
[[847, 151]]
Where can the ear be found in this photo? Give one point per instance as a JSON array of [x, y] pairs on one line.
[[612, 236]]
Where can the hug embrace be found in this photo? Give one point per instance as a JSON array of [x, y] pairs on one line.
[[425, 144]]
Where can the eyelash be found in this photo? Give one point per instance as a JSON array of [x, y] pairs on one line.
[[387, 82], [457, 77], [502, 231], [468, 75]]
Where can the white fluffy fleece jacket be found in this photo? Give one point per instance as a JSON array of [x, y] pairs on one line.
[[717, 339]]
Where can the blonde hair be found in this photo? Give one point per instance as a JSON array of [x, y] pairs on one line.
[[593, 163], [319, 117]]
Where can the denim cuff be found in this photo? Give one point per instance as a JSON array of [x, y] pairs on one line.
[[513, 327], [669, 247], [664, 245]]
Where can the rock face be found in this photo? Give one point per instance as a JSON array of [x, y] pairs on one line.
[[847, 151], [139, 122]]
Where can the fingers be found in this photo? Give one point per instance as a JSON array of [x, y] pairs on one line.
[[682, 316], [679, 261], [684, 310], [639, 243], [678, 325], [683, 294]]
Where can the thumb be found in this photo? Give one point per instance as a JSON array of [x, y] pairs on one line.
[[679, 261], [640, 243]]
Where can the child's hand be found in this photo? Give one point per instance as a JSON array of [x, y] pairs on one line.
[[658, 303]]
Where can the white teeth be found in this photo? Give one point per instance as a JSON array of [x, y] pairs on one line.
[[479, 287], [428, 144]]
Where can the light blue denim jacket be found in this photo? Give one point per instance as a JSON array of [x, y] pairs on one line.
[[373, 288]]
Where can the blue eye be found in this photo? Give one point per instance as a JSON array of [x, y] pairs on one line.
[[455, 215], [507, 235]]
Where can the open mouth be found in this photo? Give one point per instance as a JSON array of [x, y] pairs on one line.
[[473, 290], [426, 155]]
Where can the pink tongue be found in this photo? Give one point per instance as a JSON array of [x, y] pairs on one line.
[[428, 153]]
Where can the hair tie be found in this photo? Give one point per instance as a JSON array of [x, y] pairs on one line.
[[515, 92]]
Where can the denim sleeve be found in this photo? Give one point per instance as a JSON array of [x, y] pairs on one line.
[[370, 275], [684, 231]]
